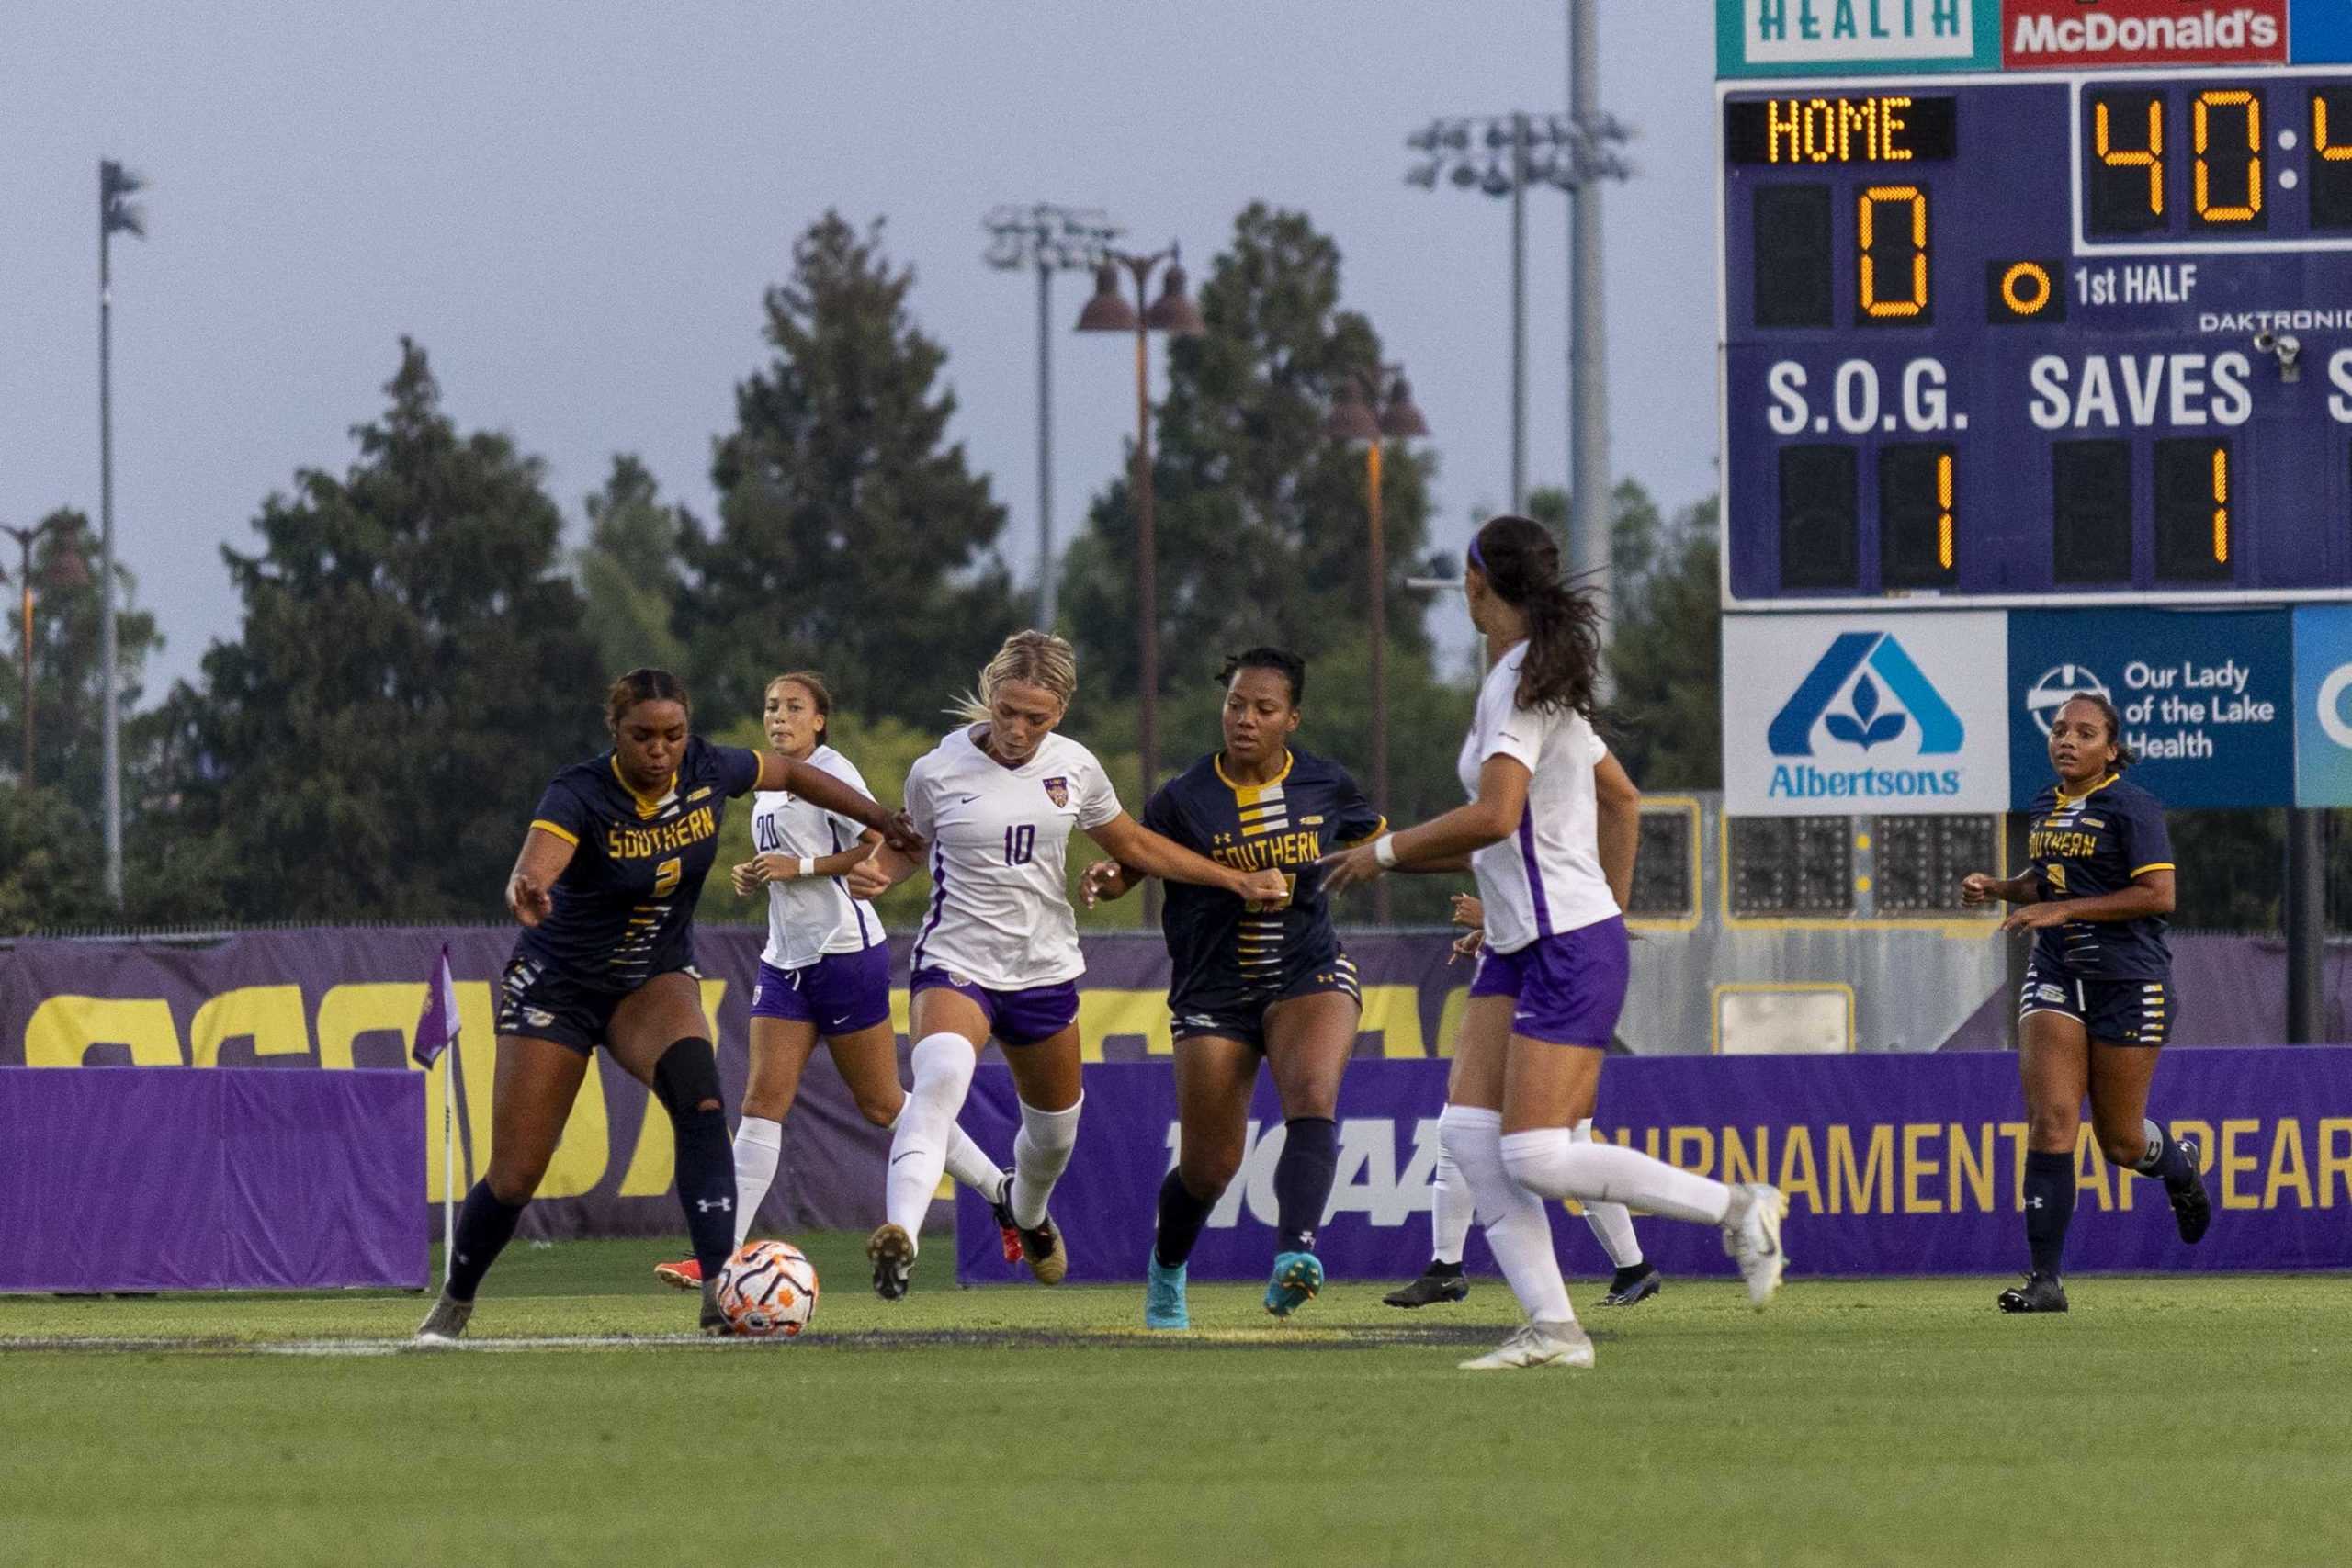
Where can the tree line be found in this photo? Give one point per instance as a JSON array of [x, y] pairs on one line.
[[418, 651]]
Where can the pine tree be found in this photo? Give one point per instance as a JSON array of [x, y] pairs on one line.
[[852, 537], [630, 572], [411, 669]]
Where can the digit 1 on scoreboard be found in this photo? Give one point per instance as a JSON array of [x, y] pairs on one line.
[[1916, 543], [2193, 517]]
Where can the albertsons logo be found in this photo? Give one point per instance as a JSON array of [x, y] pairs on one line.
[[1864, 693]]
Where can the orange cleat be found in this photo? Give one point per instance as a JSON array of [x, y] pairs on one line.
[[686, 1276]]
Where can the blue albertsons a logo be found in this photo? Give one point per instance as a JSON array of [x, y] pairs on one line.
[[1839, 696]]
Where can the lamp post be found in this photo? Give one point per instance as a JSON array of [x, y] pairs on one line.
[[116, 214], [1353, 421], [1051, 239], [1108, 312], [1502, 155], [63, 572]]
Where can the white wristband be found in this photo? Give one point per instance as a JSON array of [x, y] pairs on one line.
[[808, 866], [1384, 850]]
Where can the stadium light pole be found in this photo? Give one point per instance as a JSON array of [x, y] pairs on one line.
[[63, 572], [1174, 313], [1503, 156], [1353, 422], [116, 214], [1051, 239]]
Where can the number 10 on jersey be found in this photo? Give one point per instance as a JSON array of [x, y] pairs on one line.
[[1019, 844]]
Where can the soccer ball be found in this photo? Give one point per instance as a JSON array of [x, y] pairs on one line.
[[768, 1287]]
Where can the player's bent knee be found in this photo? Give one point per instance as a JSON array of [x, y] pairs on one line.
[[1208, 1178], [2051, 1128], [686, 1078], [515, 1184], [881, 1112]]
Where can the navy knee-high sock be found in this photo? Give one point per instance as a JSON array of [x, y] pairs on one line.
[[484, 1227], [2166, 1159], [686, 1080], [2049, 1204], [1181, 1215], [1303, 1174]]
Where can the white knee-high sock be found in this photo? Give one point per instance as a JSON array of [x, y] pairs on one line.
[[967, 1161], [759, 1143], [942, 1065], [1549, 1161], [1451, 1210], [1517, 1227], [1613, 1226], [1040, 1155]]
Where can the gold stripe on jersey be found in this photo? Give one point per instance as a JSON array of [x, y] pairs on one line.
[[556, 829]]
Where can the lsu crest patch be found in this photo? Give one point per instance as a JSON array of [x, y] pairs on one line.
[[1057, 791]]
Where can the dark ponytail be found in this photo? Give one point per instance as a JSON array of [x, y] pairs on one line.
[[1522, 564]]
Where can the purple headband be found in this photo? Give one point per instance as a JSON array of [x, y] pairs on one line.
[[1475, 559]]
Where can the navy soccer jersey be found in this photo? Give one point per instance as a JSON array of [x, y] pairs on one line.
[[1230, 955], [623, 911], [2083, 846]]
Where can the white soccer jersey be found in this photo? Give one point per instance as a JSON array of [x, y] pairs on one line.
[[811, 916], [1545, 878], [1000, 910]]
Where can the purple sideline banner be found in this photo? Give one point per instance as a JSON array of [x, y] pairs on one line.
[[330, 997], [237, 1179], [1904, 1164]]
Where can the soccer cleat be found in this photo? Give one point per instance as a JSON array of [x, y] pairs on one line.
[[446, 1324], [1753, 1241], [1633, 1286], [1163, 1296], [1536, 1345], [1007, 1232], [2041, 1292], [892, 1252], [2192, 1210], [714, 1318], [685, 1276], [1040, 1245], [1429, 1289], [1298, 1278]]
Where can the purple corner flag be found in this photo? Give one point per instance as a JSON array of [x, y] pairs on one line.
[[436, 1030]]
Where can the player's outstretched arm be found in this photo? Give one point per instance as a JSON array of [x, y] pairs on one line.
[[545, 856], [820, 788], [878, 873], [1137, 849], [1446, 841]]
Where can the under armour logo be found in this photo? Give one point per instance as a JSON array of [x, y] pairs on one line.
[[705, 1205], [2034, 1202]]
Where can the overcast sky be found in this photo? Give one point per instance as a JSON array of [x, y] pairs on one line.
[[575, 208]]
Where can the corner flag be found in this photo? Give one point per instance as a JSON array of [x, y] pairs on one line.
[[436, 1030]]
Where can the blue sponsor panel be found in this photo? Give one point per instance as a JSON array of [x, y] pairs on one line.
[[1882, 714], [2319, 31], [1784, 38], [2205, 698], [2323, 704]]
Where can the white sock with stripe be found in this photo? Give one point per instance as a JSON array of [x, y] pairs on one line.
[[759, 1144], [1613, 1224]]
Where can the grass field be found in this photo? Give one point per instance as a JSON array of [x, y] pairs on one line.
[[2183, 1420]]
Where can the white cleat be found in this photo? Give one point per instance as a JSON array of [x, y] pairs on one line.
[[1537, 1345], [1753, 1239], [446, 1324]]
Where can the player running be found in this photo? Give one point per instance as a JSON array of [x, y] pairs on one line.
[[998, 955], [1636, 1279], [826, 970], [1252, 981], [1551, 829], [605, 889], [2096, 1003]]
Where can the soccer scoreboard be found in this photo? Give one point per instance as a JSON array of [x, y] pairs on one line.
[[2005, 339]]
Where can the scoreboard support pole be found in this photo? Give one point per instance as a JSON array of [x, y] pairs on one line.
[[2306, 923]]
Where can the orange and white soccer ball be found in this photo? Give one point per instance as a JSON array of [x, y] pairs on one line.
[[767, 1288]]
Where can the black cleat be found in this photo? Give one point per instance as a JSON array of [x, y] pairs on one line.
[[1633, 1286], [1432, 1288], [2041, 1292], [2191, 1209]]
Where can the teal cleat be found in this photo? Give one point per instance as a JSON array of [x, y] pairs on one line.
[[1298, 1277], [1163, 1296]]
